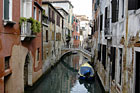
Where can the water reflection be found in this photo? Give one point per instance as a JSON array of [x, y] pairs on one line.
[[64, 79]]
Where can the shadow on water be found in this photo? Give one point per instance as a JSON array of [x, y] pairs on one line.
[[64, 79]]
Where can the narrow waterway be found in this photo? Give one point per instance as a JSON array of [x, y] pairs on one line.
[[64, 79]]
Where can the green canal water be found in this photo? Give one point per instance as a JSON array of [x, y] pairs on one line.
[[63, 78]]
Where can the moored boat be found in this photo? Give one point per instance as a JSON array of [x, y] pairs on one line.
[[86, 71]]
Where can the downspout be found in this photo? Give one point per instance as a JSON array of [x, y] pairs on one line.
[[124, 86], [42, 34], [110, 28]]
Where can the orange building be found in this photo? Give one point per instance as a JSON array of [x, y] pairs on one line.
[[76, 32]]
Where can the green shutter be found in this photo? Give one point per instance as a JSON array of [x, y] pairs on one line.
[[6, 9], [72, 19]]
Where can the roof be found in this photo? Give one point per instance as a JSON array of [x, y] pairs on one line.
[[82, 17], [46, 2], [38, 5], [59, 1]]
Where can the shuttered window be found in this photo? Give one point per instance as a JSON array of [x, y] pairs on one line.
[[113, 58], [46, 35], [106, 17], [58, 20], [99, 52], [6, 9], [101, 22], [50, 13], [115, 10], [104, 56], [53, 17]]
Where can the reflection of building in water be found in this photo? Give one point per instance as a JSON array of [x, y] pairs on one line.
[[67, 77], [80, 59], [75, 61]]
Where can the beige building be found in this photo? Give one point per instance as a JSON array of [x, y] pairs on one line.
[[68, 7], [65, 24], [52, 35], [85, 30]]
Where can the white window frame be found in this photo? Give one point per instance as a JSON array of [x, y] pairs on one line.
[[10, 10], [23, 9], [35, 14]]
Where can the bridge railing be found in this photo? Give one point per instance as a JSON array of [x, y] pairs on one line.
[[72, 48]]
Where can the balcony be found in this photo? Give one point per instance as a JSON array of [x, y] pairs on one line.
[[26, 32]]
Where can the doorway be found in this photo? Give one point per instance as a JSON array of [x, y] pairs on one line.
[[26, 70]]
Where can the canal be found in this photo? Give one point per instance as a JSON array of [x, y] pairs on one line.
[[63, 78]]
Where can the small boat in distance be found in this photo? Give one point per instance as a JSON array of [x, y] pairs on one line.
[[86, 71]]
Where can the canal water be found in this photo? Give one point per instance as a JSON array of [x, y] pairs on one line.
[[64, 79]]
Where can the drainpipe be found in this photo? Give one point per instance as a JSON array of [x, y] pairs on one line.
[[108, 45], [42, 35], [124, 86]]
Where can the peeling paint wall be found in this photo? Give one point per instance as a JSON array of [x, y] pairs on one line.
[[128, 41]]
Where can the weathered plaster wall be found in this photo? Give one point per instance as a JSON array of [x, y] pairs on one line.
[[15, 83]]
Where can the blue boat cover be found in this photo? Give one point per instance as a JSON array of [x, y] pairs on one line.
[[85, 70]]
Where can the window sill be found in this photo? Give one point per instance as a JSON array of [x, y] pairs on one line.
[[7, 22], [7, 72]]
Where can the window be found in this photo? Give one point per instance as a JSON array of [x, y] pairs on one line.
[[120, 65], [52, 53], [46, 35], [69, 19], [7, 10], [38, 53], [7, 60], [35, 13], [106, 17], [137, 73], [113, 58], [101, 22], [50, 17], [76, 37], [115, 10], [26, 8], [104, 56], [53, 17], [122, 8], [133, 4], [98, 2], [58, 20], [99, 52]]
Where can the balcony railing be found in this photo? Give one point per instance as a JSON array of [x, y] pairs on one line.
[[26, 30]]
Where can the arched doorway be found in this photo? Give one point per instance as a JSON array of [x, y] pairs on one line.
[[28, 71]]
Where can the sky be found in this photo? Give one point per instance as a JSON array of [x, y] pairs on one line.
[[82, 7]]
